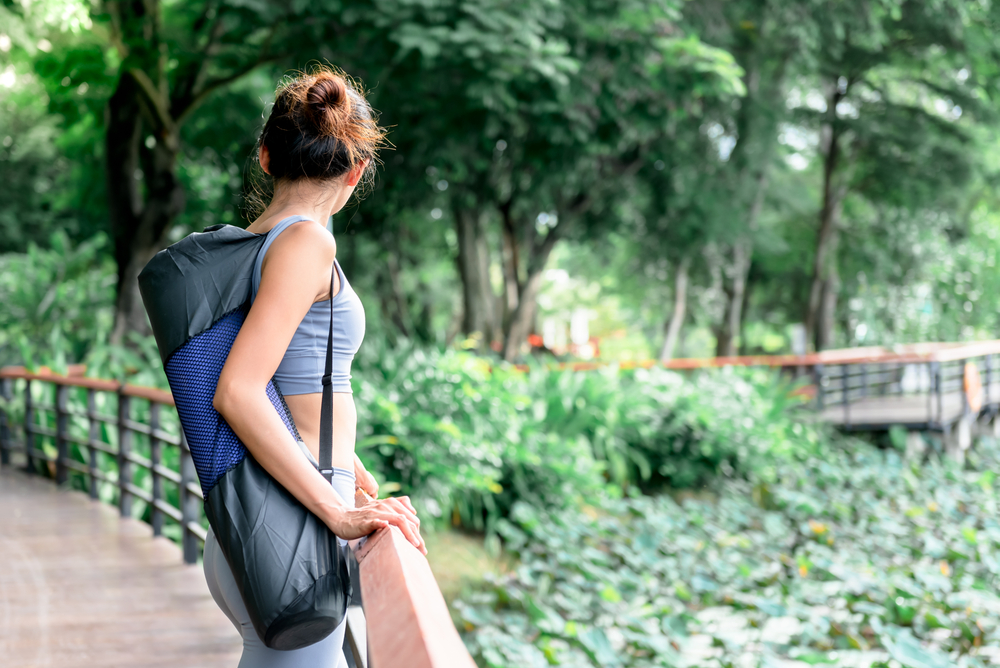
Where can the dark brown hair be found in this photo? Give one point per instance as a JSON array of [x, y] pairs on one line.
[[320, 127]]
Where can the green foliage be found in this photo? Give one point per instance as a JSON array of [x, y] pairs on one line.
[[57, 301], [445, 427], [853, 558], [448, 429], [30, 165], [58, 310], [652, 128]]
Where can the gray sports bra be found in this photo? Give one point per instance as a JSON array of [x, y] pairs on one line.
[[301, 369]]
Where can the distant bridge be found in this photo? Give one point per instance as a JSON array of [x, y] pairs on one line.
[[941, 387]]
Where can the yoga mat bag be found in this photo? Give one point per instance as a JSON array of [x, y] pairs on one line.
[[291, 570]]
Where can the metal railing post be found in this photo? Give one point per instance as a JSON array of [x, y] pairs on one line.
[[189, 504], [966, 408], [818, 374], [930, 392], [154, 465], [989, 380], [5, 432], [356, 635], [93, 433], [846, 389], [936, 371], [29, 430], [124, 450], [62, 424]]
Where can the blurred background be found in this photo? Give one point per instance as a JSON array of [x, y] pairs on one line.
[[614, 181]]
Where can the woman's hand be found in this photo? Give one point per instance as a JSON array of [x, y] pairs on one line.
[[350, 523], [364, 481]]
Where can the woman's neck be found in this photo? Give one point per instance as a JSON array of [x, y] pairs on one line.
[[315, 201]]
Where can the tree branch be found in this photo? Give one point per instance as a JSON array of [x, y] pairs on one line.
[[184, 90], [182, 107], [115, 11], [157, 104]]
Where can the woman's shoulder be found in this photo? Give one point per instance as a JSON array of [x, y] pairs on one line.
[[307, 240]]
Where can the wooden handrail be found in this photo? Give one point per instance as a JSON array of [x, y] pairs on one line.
[[408, 623], [78, 380]]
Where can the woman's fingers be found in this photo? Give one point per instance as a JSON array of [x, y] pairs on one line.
[[406, 509], [379, 514], [405, 500], [402, 503], [396, 513], [410, 531]]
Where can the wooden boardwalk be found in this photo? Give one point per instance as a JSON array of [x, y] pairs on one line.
[[917, 411], [81, 587]]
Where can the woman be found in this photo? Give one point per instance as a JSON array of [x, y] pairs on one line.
[[319, 142]]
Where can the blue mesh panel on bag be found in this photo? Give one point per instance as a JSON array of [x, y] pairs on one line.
[[193, 372]]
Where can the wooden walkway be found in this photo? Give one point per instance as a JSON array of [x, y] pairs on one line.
[[914, 411], [81, 587]]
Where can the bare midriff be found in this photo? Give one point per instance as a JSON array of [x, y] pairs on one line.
[[306, 409]]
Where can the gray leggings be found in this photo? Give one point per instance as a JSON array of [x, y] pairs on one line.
[[327, 653]]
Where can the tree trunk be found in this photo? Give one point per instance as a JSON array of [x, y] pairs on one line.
[[139, 221], [825, 281], [511, 266], [756, 131], [423, 324], [676, 321], [474, 269], [142, 132], [747, 289], [725, 342], [400, 309], [523, 318], [732, 319], [828, 303]]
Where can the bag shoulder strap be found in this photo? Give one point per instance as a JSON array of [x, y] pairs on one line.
[[326, 411]]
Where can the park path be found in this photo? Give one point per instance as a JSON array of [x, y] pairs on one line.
[[81, 587]]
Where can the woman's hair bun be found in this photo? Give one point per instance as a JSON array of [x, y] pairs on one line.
[[327, 104], [320, 127]]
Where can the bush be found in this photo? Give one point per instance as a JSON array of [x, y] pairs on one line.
[[464, 438], [59, 310], [657, 428], [56, 301], [472, 440]]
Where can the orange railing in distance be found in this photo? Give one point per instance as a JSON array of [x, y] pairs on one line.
[[903, 354], [408, 623]]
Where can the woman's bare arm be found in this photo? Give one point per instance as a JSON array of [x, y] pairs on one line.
[[297, 273]]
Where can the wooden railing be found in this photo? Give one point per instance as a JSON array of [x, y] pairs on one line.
[[411, 626], [101, 418], [837, 381]]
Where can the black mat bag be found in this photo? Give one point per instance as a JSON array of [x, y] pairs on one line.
[[291, 570]]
